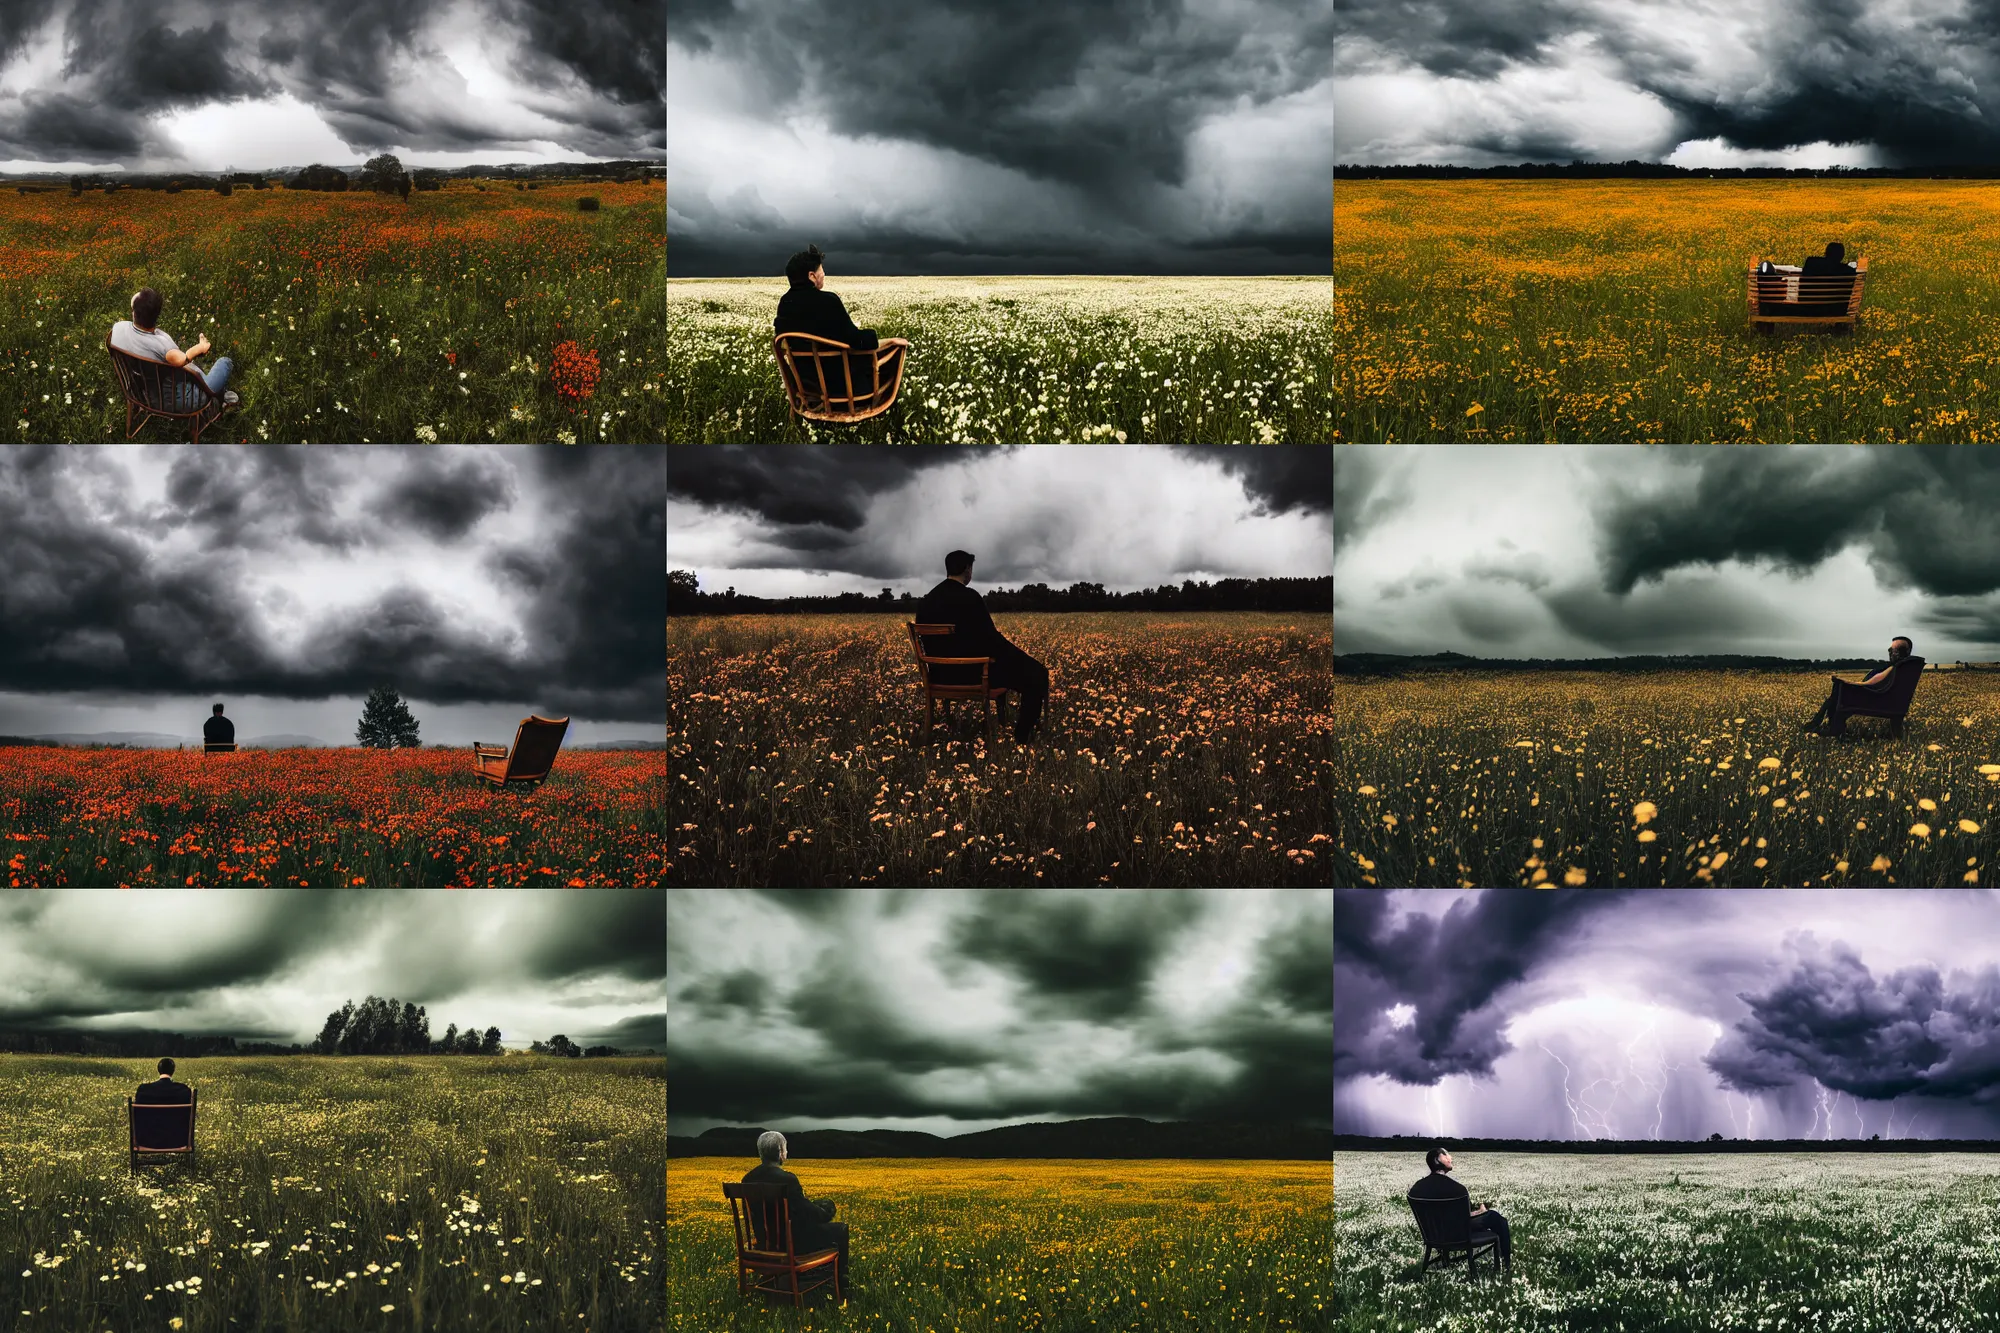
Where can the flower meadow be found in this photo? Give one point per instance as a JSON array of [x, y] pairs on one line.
[[1675, 778], [1682, 1243], [1051, 1246], [1175, 750], [325, 818], [337, 1193], [462, 315], [1041, 360], [1615, 310]]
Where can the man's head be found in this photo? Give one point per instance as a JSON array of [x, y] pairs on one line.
[[1438, 1159], [958, 565], [167, 1067], [146, 305], [771, 1147], [808, 265], [218, 710], [1900, 647], [1836, 252]]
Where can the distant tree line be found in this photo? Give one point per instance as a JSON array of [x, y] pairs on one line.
[[1633, 170], [137, 1044], [1395, 664], [377, 174], [389, 1027], [685, 598]]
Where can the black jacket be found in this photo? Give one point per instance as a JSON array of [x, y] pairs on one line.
[[165, 1091], [807, 309], [218, 730], [806, 1214], [973, 634], [161, 1131]]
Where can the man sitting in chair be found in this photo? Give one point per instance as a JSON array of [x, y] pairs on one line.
[[973, 634], [218, 730], [813, 1227], [1880, 683], [807, 307], [138, 336], [1439, 1185], [165, 1092]]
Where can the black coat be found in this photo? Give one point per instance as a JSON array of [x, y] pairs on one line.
[[973, 633], [149, 1132], [806, 1214], [164, 1091], [807, 309], [218, 730]]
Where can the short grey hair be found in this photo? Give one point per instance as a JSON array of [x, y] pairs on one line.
[[769, 1144]]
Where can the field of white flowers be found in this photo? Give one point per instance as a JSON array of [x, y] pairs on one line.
[[1652, 1244], [1035, 360]]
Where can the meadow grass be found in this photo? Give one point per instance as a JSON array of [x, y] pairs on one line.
[[343, 817], [1616, 310], [1013, 360], [328, 1188], [1175, 750], [1483, 780], [350, 317], [965, 1246], [1673, 1243]]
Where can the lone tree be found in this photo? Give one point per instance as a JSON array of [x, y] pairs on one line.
[[385, 175], [386, 721]]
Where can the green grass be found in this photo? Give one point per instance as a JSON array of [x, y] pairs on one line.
[[1683, 1244], [427, 1178], [1037, 360]]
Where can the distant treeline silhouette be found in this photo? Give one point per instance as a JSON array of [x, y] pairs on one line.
[[1395, 664], [1652, 171], [685, 598], [392, 1027], [138, 1043]]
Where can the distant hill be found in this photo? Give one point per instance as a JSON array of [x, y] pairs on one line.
[[137, 740], [1110, 1137], [1395, 664], [283, 742]]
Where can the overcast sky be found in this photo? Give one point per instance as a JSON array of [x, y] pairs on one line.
[[260, 84], [985, 136], [485, 582], [950, 1012], [1664, 1013], [1586, 551], [1694, 82], [831, 518], [270, 965]]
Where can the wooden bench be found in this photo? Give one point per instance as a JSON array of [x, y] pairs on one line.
[[820, 380], [1446, 1226], [1856, 700], [156, 389], [981, 691], [169, 1128], [1795, 298], [762, 1216]]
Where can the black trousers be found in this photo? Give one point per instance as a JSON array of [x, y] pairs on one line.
[[825, 1236], [1831, 713], [1015, 670], [1493, 1224]]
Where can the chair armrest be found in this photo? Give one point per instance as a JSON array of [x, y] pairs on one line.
[[957, 661], [892, 342]]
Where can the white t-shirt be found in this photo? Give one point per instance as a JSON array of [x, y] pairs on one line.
[[128, 337]]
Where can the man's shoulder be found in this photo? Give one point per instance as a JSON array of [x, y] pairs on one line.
[[1435, 1186]]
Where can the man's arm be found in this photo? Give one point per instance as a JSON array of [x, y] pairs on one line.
[[861, 340], [176, 357]]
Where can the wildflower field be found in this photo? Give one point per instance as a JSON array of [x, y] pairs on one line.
[[1683, 1243], [462, 315], [1673, 778], [1175, 750], [1038, 360], [337, 1193], [324, 818], [1052, 1246], [1615, 310]]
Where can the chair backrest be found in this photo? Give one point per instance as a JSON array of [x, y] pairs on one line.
[[155, 384], [1814, 289], [161, 1126], [536, 741], [917, 635], [1903, 685], [818, 368], [218, 747], [1444, 1222], [762, 1219]]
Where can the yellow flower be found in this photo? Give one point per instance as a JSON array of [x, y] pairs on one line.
[[1574, 875], [1367, 791], [1648, 836], [1967, 826], [1990, 770], [1880, 863], [1643, 812], [1920, 830], [1474, 410], [1927, 804], [1769, 761]]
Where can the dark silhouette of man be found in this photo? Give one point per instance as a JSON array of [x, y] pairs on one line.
[[954, 603], [1485, 1222], [1832, 264], [813, 1227], [1830, 296], [1881, 682], [218, 730], [165, 1092], [807, 307]]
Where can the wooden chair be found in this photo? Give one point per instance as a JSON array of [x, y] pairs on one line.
[[762, 1216], [1446, 1226], [983, 691], [156, 389], [536, 741], [1856, 700], [168, 1123], [1792, 298], [819, 377], [218, 747]]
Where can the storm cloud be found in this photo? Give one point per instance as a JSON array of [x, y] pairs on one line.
[[1862, 83], [947, 1011], [977, 136]]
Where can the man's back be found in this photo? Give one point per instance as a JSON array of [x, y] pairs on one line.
[[218, 730], [1819, 266], [807, 309], [973, 633], [164, 1091], [1438, 1185], [805, 1213], [152, 344], [162, 1131]]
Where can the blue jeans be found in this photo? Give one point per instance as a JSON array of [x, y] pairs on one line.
[[217, 379]]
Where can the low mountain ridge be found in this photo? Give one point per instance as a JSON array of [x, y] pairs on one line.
[[1107, 1137]]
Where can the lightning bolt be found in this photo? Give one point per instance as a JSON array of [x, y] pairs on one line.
[[1437, 1113], [1576, 1119]]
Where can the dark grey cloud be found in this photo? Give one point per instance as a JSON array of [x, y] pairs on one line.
[[1049, 1005], [1367, 489], [814, 487], [1280, 478], [103, 597]]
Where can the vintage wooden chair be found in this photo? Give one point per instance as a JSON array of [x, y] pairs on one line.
[[762, 1218], [984, 692], [156, 389], [820, 380], [536, 741], [1446, 1226], [1852, 698], [168, 1128], [1792, 298]]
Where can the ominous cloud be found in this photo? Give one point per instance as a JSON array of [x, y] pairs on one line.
[[947, 1011], [504, 574], [987, 137]]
